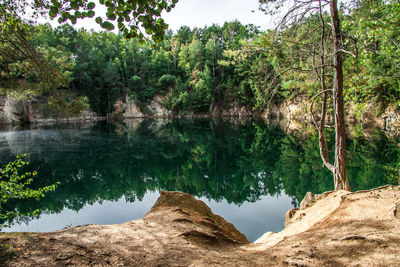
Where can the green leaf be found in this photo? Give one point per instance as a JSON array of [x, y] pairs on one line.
[[90, 5], [107, 25], [72, 19], [90, 13], [111, 16], [74, 5], [99, 20], [53, 12]]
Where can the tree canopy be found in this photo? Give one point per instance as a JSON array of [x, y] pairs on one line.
[[131, 17]]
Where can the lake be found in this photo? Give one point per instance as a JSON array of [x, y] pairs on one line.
[[246, 171]]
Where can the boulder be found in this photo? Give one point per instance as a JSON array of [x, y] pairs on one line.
[[308, 200], [289, 215]]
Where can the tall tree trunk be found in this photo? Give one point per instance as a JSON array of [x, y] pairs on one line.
[[340, 174]]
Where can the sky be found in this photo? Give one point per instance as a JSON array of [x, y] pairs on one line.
[[199, 13]]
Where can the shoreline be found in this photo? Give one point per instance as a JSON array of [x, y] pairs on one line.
[[334, 228]]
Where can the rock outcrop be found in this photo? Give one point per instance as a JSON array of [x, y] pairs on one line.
[[293, 115], [339, 229], [153, 109], [194, 212], [157, 109], [233, 110], [14, 111], [130, 109], [292, 110], [392, 122]]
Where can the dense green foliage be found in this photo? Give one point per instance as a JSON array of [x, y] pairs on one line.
[[198, 69], [370, 34], [130, 17], [213, 159], [15, 185]]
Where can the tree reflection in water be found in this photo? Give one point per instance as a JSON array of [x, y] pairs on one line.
[[216, 159]]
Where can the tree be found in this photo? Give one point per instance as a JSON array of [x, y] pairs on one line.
[[130, 16], [296, 15], [167, 82]]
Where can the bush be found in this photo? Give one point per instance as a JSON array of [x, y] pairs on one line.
[[166, 82], [14, 185], [67, 105]]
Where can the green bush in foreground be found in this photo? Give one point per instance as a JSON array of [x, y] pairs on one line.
[[14, 184]]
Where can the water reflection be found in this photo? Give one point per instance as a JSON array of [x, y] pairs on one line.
[[233, 163]]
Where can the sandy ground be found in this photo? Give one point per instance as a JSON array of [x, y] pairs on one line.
[[334, 229]]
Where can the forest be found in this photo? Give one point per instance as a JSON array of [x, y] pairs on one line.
[[81, 132], [197, 69]]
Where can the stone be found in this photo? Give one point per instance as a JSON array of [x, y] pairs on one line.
[[14, 111], [131, 109], [289, 215], [157, 109], [237, 111], [308, 200], [196, 212]]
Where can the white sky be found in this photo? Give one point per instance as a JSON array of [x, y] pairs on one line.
[[199, 13]]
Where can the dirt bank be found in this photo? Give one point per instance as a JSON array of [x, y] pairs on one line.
[[335, 228]]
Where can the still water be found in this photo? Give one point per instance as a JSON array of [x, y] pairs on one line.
[[248, 172]]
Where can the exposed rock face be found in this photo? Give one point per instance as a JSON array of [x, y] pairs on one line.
[[294, 114], [4, 118], [308, 200], [289, 215], [233, 111], [157, 109], [48, 117], [178, 231], [13, 111], [153, 109], [296, 109], [131, 110], [193, 211], [340, 229], [392, 122]]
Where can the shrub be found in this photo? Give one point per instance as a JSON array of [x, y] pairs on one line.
[[15, 185]]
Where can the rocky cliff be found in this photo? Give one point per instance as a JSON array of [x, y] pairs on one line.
[[131, 109], [13, 111], [294, 115]]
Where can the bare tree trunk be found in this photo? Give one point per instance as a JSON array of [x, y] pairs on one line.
[[340, 174]]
